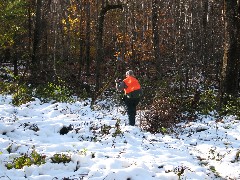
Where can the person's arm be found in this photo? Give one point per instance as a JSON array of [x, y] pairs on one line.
[[120, 85]]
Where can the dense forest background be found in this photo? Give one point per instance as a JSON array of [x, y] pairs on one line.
[[183, 51]]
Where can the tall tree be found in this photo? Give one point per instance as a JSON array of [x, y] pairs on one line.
[[230, 66], [99, 55], [238, 26], [37, 39], [155, 32], [81, 41], [88, 36]]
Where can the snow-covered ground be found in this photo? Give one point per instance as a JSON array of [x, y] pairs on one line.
[[205, 149]]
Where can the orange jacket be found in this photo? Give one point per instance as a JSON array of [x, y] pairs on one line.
[[132, 84]]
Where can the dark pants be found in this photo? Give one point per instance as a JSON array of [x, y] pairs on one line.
[[131, 104]]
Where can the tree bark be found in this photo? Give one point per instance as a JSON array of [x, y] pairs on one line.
[[230, 66], [99, 55], [88, 33], [238, 43], [204, 58], [155, 33], [36, 39], [81, 41]]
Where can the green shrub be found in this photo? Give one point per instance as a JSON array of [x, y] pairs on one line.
[[25, 160], [231, 107], [22, 95], [105, 129], [208, 102], [7, 87], [61, 158], [52, 91], [202, 102], [20, 92], [118, 131], [4, 87]]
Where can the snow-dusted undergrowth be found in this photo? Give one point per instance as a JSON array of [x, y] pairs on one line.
[[101, 149]]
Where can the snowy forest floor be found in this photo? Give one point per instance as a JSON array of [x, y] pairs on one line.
[[99, 150]]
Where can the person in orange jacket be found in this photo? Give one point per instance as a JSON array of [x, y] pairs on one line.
[[132, 94]]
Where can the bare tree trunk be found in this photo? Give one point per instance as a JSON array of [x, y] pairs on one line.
[[15, 65], [204, 37], [238, 43], [81, 59], [230, 67], [29, 28], [155, 31], [88, 36], [36, 40], [99, 55], [134, 33]]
